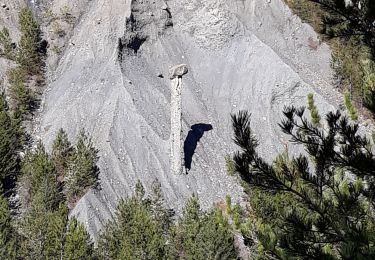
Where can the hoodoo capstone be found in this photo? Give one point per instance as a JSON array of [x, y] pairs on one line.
[[178, 71]]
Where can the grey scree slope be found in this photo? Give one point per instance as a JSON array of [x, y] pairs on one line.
[[242, 54]]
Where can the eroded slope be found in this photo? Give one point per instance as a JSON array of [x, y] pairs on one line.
[[243, 54]]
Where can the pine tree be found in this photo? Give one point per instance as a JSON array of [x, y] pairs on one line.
[[21, 95], [45, 214], [8, 246], [135, 233], [39, 176], [7, 49], [61, 152], [9, 145], [78, 245], [83, 172], [200, 235], [315, 207], [158, 207], [347, 19], [29, 57]]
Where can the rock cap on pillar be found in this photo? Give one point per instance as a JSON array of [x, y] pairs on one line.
[[178, 71]]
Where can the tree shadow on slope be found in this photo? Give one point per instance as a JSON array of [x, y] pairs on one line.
[[194, 135]]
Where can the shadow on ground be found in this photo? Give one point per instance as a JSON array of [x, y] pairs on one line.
[[195, 134]]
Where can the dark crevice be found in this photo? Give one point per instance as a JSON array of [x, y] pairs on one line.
[[135, 43]]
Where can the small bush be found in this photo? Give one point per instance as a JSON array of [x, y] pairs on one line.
[[313, 110], [230, 165], [349, 105], [49, 16], [66, 14], [7, 48], [58, 30]]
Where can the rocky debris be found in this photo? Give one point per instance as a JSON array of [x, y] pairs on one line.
[[178, 71]]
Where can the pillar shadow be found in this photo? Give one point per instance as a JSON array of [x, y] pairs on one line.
[[194, 135]]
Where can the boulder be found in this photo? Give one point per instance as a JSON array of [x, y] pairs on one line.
[[178, 71]]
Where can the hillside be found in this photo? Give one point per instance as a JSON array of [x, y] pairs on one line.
[[111, 78]]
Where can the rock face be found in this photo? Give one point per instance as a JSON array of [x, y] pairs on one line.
[[175, 75], [241, 54]]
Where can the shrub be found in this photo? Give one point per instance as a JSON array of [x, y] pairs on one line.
[[7, 48], [58, 30], [349, 105], [314, 113]]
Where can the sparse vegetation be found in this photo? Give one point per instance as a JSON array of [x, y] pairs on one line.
[[58, 30], [66, 14], [230, 165], [349, 105], [49, 16], [314, 113], [349, 31]]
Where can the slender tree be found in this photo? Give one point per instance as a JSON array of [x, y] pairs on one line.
[[9, 146], [61, 152], [83, 172], [21, 95], [29, 56], [8, 245], [78, 245], [202, 235]]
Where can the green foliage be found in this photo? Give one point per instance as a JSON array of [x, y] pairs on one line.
[[200, 235], [314, 113], [83, 172], [43, 229], [316, 207], [29, 57], [44, 223], [350, 32], [349, 105], [228, 203], [135, 234], [61, 152], [22, 96], [66, 14], [9, 146], [230, 165], [78, 245], [7, 49], [369, 84], [39, 176], [346, 20], [8, 246], [49, 16]]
